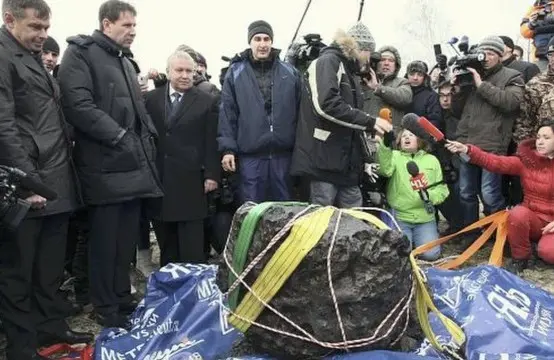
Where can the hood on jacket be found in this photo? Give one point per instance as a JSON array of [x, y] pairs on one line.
[[348, 46], [393, 50], [529, 156]]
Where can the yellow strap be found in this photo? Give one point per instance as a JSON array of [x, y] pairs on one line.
[[304, 235], [370, 218], [424, 304]]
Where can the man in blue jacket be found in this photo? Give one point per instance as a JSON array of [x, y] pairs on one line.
[[257, 118]]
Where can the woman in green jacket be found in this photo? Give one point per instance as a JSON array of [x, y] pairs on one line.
[[409, 210]]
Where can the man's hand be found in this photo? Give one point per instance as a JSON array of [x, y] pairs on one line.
[[548, 229], [456, 147], [382, 126], [476, 77], [372, 171], [144, 87], [209, 185], [153, 73], [228, 163], [372, 83], [36, 201]]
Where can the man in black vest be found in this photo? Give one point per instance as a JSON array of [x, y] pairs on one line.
[[33, 139], [114, 152]]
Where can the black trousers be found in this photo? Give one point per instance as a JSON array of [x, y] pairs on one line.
[[114, 230], [31, 272], [180, 242], [77, 254]]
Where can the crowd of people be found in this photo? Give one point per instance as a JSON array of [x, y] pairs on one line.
[[183, 157]]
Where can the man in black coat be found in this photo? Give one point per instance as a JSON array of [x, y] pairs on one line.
[[114, 152], [33, 139], [509, 59], [188, 160]]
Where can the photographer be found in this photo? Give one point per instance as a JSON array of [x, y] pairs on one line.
[[487, 111], [538, 25], [385, 89]]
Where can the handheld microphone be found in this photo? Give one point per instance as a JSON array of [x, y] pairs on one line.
[[410, 123], [386, 114], [30, 184], [432, 130], [419, 184]]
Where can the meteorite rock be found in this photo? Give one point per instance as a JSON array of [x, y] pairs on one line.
[[370, 272]]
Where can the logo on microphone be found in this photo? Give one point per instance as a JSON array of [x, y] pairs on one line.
[[418, 182]]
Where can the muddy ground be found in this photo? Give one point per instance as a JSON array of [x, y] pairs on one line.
[[541, 274]]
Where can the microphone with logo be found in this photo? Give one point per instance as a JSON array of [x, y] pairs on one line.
[[419, 184]]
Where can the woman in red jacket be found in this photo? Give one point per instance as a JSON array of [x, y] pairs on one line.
[[533, 219]]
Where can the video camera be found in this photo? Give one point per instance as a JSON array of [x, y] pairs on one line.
[[372, 64], [12, 208], [469, 58], [300, 55]]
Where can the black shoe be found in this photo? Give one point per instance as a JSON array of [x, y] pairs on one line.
[[74, 309], [516, 267], [128, 308], [65, 337], [111, 321]]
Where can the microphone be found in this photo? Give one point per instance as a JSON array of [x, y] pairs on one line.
[[30, 184], [419, 184], [410, 122], [386, 114], [432, 130], [453, 40]]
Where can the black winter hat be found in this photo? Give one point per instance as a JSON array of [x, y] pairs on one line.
[[201, 60], [417, 66], [508, 42], [259, 27], [51, 45]]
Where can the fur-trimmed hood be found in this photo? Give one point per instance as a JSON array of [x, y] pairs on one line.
[[348, 45], [396, 53], [527, 152]]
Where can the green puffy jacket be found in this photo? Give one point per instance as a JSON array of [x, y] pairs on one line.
[[405, 201]]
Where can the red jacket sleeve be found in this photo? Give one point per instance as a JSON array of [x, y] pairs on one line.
[[507, 165]]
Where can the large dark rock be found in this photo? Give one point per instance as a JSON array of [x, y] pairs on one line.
[[370, 271]]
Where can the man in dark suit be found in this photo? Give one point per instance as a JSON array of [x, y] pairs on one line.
[[187, 161], [33, 138]]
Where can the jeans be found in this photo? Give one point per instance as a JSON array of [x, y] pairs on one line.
[[421, 234], [475, 181]]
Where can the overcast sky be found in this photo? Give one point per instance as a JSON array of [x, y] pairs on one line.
[[219, 27]]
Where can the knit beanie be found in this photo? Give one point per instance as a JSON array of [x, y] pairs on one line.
[[363, 37], [259, 27], [492, 43], [508, 42], [51, 45]]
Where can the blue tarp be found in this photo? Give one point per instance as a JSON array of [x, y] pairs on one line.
[[503, 316], [183, 316]]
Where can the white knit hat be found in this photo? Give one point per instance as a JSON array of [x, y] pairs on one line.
[[363, 36]]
